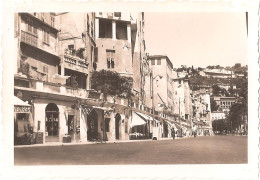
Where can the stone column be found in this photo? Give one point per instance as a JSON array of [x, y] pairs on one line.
[[129, 33], [114, 30], [96, 28], [83, 126], [112, 127]]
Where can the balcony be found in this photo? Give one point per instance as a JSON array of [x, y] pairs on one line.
[[75, 63], [29, 38]]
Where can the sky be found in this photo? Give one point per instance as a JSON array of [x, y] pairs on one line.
[[198, 39]]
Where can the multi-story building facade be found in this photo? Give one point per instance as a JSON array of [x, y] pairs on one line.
[[183, 102], [218, 115], [225, 103], [162, 74], [202, 112], [56, 55], [160, 89], [121, 47]]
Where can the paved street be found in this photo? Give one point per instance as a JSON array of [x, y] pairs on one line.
[[200, 150]]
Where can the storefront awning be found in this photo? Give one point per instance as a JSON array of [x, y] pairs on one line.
[[21, 106], [136, 120], [19, 102], [146, 117]]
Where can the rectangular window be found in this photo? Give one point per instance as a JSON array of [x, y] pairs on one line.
[[153, 62], [110, 54], [105, 28], [158, 62], [46, 37], [52, 21], [95, 54], [186, 116], [121, 30], [117, 14], [45, 69], [88, 27], [31, 29]]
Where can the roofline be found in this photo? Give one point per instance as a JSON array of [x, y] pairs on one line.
[[161, 56]]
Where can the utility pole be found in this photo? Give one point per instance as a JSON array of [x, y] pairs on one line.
[[180, 116]]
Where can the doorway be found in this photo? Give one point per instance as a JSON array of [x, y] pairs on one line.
[[92, 121], [117, 128], [52, 123], [70, 125]]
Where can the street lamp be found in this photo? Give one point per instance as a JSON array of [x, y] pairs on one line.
[[152, 93]]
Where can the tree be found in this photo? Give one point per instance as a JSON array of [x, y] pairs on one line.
[[216, 89], [213, 105], [112, 83]]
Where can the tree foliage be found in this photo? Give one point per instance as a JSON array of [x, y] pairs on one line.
[[213, 105], [112, 83], [216, 89]]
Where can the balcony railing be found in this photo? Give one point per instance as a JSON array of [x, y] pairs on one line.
[[29, 38], [75, 61]]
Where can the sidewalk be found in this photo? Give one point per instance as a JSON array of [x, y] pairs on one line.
[[88, 142]]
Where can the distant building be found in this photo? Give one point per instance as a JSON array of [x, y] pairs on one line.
[[218, 115], [225, 103], [218, 73], [202, 112], [162, 74]]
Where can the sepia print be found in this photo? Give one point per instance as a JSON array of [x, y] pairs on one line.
[[117, 88]]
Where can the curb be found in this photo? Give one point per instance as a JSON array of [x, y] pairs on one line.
[[90, 143]]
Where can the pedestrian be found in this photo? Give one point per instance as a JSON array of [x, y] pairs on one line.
[[194, 131], [173, 133]]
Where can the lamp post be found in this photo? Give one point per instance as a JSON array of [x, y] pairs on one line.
[[180, 116], [152, 93]]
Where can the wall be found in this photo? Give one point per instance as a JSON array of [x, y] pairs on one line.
[[123, 56]]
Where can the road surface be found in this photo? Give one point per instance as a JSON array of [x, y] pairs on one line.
[[200, 150]]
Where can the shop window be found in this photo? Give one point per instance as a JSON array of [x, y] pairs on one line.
[[121, 30], [105, 28], [110, 54], [107, 122], [159, 62]]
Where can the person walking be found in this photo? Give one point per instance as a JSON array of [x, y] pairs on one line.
[[194, 131], [173, 133]]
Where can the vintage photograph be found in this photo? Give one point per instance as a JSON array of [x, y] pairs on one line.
[[140, 88]]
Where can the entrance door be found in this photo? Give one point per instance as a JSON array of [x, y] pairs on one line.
[[117, 119], [52, 123], [165, 129], [70, 125], [92, 121]]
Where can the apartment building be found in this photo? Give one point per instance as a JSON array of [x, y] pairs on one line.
[[120, 47], [202, 112], [36, 35], [182, 98], [225, 103]]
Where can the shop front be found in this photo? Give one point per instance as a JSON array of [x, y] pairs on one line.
[[23, 123], [51, 123]]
